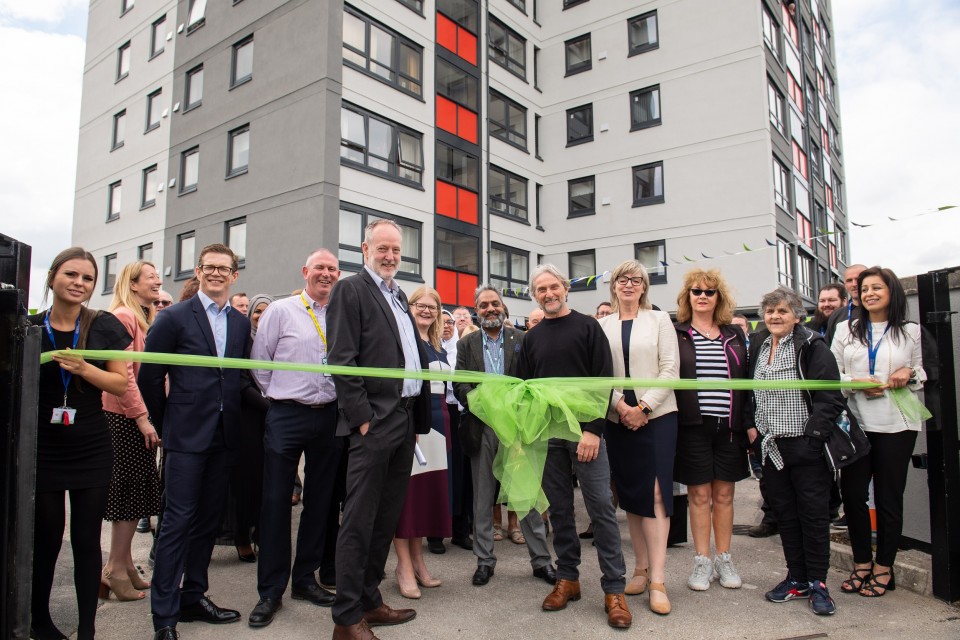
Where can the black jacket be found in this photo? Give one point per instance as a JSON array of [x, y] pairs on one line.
[[815, 361], [735, 349]]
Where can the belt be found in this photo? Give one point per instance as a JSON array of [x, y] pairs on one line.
[[301, 404], [407, 403], [720, 421]]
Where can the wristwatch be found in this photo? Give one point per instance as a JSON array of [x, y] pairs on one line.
[[646, 410]]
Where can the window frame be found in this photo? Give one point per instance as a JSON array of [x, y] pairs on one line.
[[572, 3], [109, 279], [588, 137], [123, 56], [772, 39], [236, 81], [776, 97], [114, 200], [440, 150], [633, 49], [439, 264], [182, 274], [142, 252], [117, 141], [655, 278], [585, 285], [492, 49], [636, 125], [579, 213], [654, 199], [513, 283], [188, 102], [184, 155], [125, 6], [154, 52], [781, 199], [144, 177], [504, 125], [365, 214], [152, 105], [519, 4], [785, 270], [414, 5], [194, 22], [228, 227], [394, 161], [581, 67], [397, 75], [233, 171], [508, 204]]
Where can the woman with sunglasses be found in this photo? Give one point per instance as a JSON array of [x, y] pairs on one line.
[[426, 509], [711, 441]]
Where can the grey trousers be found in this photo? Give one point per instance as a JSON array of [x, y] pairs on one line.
[[484, 496], [594, 479]]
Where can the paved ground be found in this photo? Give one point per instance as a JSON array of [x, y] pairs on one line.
[[510, 605]]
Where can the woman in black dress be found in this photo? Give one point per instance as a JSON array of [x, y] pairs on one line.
[[74, 451]]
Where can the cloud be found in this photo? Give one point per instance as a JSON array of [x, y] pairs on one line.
[[46, 11]]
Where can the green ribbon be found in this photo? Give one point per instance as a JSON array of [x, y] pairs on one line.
[[524, 414]]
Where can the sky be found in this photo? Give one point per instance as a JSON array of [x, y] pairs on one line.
[[899, 98]]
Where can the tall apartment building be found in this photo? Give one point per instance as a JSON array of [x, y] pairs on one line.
[[498, 134]]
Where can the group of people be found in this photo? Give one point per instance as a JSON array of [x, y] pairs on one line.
[[384, 459]]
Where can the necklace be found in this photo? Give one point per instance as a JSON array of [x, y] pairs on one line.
[[708, 334]]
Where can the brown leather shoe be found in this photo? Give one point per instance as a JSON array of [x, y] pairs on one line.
[[563, 592], [618, 616], [359, 631], [384, 616]]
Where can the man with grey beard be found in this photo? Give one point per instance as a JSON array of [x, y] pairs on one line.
[[495, 349]]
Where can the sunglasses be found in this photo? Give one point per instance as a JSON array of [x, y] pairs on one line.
[[160, 304], [701, 292]]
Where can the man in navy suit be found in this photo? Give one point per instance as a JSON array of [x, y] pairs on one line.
[[370, 326], [197, 422]]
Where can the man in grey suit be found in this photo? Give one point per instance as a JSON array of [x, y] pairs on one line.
[[369, 325], [495, 349]]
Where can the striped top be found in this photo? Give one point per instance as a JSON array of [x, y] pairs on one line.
[[711, 365]]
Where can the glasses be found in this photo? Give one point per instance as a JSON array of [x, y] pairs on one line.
[[160, 304], [704, 292], [635, 281], [422, 306], [448, 323], [210, 269]]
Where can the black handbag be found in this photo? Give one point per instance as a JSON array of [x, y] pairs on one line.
[[846, 442]]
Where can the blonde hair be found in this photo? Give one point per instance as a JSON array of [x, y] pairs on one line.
[[723, 312], [123, 295], [470, 328], [435, 332], [624, 269]]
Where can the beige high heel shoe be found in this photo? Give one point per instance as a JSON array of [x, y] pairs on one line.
[[121, 587], [136, 579], [412, 593], [661, 608], [638, 583], [427, 582]]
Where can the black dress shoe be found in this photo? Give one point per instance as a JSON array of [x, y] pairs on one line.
[[46, 633], [167, 633], [205, 611], [246, 557], [546, 573], [587, 534], [314, 593], [763, 530], [435, 545], [464, 543], [143, 525], [263, 613], [482, 575]]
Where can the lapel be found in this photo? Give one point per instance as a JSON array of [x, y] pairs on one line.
[[509, 346], [200, 314], [382, 302]]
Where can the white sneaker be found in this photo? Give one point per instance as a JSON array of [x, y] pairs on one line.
[[702, 574], [724, 570]]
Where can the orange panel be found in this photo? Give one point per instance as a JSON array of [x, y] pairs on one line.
[[466, 46], [447, 285], [446, 199], [468, 124], [467, 206], [446, 33], [466, 285], [447, 115]]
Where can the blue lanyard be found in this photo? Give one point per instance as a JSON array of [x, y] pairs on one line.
[[849, 309], [873, 349], [65, 376], [496, 365]]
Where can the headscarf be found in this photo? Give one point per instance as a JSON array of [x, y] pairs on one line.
[[256, 301], [450, 346]]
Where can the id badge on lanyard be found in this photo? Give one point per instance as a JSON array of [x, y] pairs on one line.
[[64, 415]]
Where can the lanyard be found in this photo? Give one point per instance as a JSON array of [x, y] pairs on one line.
[[316, 322], [495, 364], [849, 309], [65, 376], [873, 349]]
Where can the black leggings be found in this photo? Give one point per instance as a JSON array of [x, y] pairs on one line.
[[87, 507]]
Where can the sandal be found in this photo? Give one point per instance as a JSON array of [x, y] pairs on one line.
[[497, 534], [876, 589], [858, 578], [516, 537]]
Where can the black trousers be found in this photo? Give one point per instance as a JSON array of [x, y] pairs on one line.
[[292, 430], [799, 495], [887, 466]]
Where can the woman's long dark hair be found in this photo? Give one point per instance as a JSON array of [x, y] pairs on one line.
[[896, 312]]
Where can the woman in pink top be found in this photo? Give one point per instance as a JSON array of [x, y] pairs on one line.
[[135, 484]]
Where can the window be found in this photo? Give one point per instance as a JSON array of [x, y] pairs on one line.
[[145, 252], [125, 5], [519, 4], [509, 269], [810, 96], [771, 32], [777, 107], [153, 110], [820, 220], [463, 12], [158, 36], [458, 167], [536, 68], [189, 170], [238, 151], [457, 85], [508, 193], [572, 3], [805, 274], [579, 125], [416, 5], [790, 26], [380, 52], [458, 251], [354, 219], [193, 92], [536, 136], [837, 192], [457, 27], [834, 137], [796, 93], [508, 120], [148, 191], [114, 192], [123, 61], [642, 33], [581, 196], [805, 40], [800, 160], [186, 245], [235, 237], [814, 159], [109, 272], [241, 69], [583, 270], [380, 146], [781, 195], [196, 18], [578, 55], [784, 263], [644, 108], [804, 229], [507, 48], [828, 86], [119, 129], [653, 256], [648, 184]]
